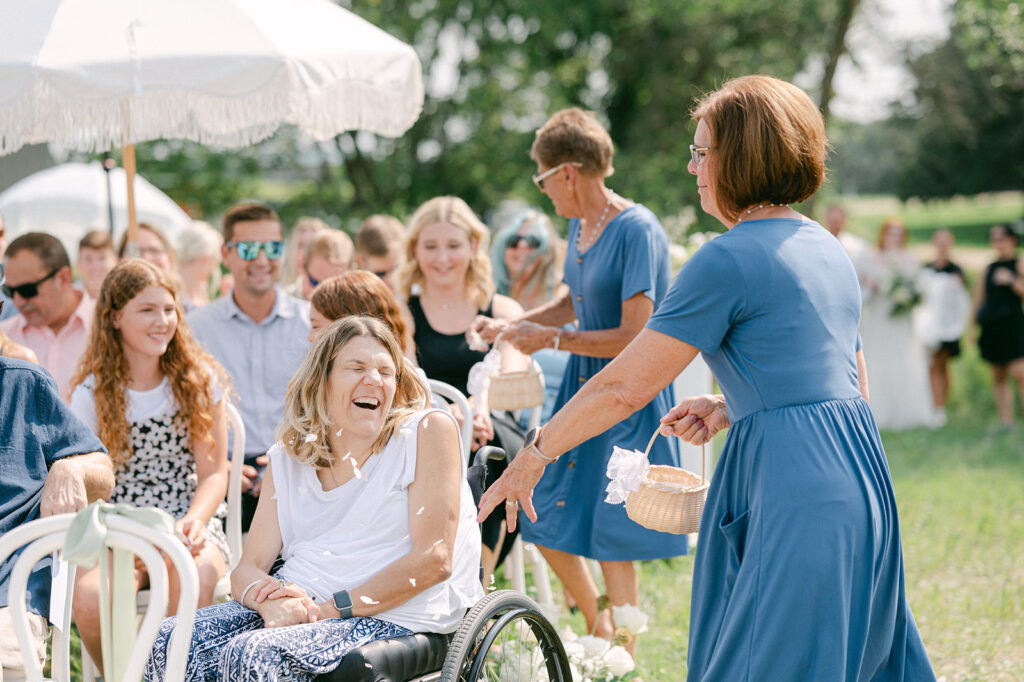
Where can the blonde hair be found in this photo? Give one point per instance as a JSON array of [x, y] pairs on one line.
[[305, 410], [334, 246], [454, 211], [189, 368]]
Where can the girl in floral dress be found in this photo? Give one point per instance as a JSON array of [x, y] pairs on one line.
[[154, 398]]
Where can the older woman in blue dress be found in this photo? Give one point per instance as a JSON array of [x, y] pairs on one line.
[[800, 570], [617, 270]]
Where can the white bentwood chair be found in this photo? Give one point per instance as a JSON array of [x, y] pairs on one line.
[[43, 536]]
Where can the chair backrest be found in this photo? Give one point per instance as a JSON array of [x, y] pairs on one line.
[[43, 536], [234, 530], [455, 396]]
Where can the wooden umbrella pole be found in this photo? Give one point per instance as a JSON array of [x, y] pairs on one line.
[[133, 223]]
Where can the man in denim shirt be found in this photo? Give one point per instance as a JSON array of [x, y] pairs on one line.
[[51, 463], [258, 334]]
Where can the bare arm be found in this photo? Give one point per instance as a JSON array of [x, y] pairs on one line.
[[73, 482], [862, 375], [629, 382], [211, 480], [601, 343], [434, 500], [555, 313]]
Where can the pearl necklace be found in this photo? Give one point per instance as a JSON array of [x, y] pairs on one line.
[[758, 208], [581, 245]]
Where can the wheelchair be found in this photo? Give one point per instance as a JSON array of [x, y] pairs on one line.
[[505, 636]]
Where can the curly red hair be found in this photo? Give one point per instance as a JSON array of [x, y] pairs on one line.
[[189, 368]]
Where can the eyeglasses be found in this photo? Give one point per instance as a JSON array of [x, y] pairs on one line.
[[515, 240], [381, 274], [28, 289], [539, 179], [698, 154], [251, 250]]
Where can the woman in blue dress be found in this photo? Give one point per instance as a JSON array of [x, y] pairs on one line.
[[800, 570], [617, 270]]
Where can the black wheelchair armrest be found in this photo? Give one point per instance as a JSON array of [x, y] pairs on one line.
[[392, 660]]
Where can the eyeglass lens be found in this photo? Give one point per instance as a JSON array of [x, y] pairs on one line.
[[28, 289], [251, 250], [515, 240]]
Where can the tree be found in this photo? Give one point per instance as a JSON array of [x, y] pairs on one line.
[[495, 70]]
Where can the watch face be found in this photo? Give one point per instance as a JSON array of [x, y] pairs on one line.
[[531, 436]]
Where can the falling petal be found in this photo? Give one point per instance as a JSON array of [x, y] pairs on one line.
[[412, 581], [405, 432], [338, 432], [310, 437], [366, 600], [492, 578], [348, 455], [491, 588], [355, 470], [426, 422], [438, 542], [420, 511], [302, 490], [367, 664], [327, 552]]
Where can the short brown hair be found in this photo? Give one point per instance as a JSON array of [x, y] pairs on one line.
[[574, 135], [45, 246], [96, 239], [379, 236], [769, 143], [334, 246], [358, 292], [241, 213]]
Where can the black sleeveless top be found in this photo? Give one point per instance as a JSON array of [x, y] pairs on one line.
[[444, 357]]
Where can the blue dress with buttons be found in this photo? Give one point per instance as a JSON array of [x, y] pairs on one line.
[[630, 257], [800, 570]]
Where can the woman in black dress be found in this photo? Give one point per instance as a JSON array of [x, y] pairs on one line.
[[1001, 317]]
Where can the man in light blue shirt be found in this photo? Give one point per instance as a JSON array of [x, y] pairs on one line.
[[258, 333]]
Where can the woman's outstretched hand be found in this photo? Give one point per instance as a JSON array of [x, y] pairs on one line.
[[528, 337], [514, 488], [696, 420], [486, 328]]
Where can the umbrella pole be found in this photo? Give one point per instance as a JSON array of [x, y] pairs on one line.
[[108, 165], [133, 224]]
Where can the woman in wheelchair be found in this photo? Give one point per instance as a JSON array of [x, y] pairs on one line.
[[365, 499], [154, 398]]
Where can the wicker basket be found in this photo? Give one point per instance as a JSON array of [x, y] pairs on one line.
[[669, 499], [515, 390]]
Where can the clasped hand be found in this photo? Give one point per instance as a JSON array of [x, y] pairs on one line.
[[696, 420], [281, 603], [526, 337]]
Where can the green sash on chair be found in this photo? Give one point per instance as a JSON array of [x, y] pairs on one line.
[[85, 545]]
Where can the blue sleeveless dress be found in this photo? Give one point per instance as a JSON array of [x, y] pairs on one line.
[[630, 257], [799, 570]]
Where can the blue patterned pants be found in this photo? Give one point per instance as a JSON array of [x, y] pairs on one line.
[[229, 642]]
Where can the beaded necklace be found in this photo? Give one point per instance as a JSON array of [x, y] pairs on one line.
[[581, 245], [758, 208]]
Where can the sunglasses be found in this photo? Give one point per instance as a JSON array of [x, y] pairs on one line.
[[251, 250], [28, 289], [698, 154], [515, 240], [539, 179], [382, 274]]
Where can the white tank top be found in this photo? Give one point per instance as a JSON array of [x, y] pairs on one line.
[[337, 539]]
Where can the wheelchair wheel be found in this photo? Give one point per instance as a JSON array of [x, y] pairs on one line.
[[506, 637]]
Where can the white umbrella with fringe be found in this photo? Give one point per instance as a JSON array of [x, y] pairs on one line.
[[92, 74]]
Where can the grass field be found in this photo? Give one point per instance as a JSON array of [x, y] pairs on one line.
[[960, 491]]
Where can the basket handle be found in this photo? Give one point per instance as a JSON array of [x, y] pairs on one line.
[[657, 433]]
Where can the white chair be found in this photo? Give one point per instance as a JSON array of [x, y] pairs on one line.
[[454, 395], [44, 536]]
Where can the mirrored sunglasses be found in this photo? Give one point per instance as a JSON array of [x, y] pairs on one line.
[[251, 250]]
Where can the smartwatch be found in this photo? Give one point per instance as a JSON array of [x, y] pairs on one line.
[[343, 602], [530, 446]]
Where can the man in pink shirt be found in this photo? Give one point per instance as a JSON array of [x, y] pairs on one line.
[[55, 317]]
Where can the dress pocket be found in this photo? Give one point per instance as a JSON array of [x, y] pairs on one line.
[[735, 532]]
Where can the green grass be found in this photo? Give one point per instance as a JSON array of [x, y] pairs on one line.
[[969, 218], [960, 492]]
